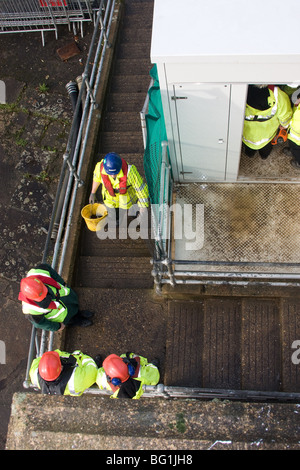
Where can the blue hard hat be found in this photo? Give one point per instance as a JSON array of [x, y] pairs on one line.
[[112, 163]]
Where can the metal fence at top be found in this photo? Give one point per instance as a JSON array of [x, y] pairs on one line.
[[19, 16]]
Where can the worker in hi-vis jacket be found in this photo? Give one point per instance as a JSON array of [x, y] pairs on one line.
[[268, 108], [122, 186], [48, 303], [125, 375], [61, 373]]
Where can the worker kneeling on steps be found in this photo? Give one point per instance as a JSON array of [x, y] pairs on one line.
[[122, 187], [125, 375], [48, 303], [61, 373]]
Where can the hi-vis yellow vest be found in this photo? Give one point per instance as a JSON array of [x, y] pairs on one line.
[[261, 126], [137, 190], [57, 314], [294, 131]]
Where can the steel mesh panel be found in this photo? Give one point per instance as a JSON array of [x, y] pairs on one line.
[[245, 223], [276, 167]]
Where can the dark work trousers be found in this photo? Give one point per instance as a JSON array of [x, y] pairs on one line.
[[295, 149], [264, 152]]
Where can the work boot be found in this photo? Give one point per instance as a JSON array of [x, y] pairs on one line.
[[98, 360], [287, 151], [78, 320], [84, 322], [295, 164], [86, 313]]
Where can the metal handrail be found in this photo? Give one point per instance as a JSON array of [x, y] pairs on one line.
[[143, 115], [74, 166], [163, 270], [161, 261], [170, 392]]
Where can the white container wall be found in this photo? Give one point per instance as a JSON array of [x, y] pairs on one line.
[[206, 54]]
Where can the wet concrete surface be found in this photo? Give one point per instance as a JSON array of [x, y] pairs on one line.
[[34, 126]]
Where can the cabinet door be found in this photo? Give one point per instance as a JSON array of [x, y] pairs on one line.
[[201, 115]]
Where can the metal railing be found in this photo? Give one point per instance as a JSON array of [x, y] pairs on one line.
[[72, 164], [143, 115], [169, 270], [171, 392], [162, 225], [17, 16]]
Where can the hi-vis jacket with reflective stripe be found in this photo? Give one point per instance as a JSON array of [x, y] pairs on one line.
[[137, 189], [56, 315], [294, 131], [83, 376], [261, 126], [148, 374], [67, 302]]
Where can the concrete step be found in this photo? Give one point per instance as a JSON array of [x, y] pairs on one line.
[[142, 18], [122, 121], [130, 84], [132, 67], [134, 51], [136, 159], [142, 8], [122, 142], [126, 102], [114, 272], [46, 422], [136, 35], [125, 319], [91, 245]]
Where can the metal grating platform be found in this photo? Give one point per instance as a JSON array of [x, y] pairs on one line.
[[276, 167], [241, 223]]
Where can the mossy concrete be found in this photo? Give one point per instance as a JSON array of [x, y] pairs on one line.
[[95, 422]]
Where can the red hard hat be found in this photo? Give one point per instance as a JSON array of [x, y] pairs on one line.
[[114, 367], [33, 288], [50, 366]]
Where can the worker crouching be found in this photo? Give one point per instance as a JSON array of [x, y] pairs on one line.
[[125, 375], [48, 303], [61, 373]]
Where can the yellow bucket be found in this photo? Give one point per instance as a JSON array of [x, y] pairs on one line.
[[98, 211]]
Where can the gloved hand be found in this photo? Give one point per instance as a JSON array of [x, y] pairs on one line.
[[92, 198]]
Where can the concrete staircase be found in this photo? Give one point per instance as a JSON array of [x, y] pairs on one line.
[[113, 276], [123, 263]]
